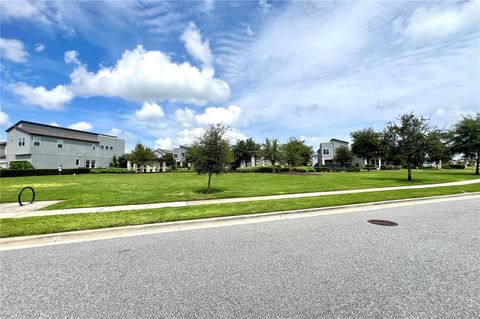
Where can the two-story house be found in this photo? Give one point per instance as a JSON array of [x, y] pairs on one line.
[[48, 147], [327, 151]]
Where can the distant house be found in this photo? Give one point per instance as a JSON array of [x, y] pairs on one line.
[[3, 158], [327, 151], [180, 154], [48, 147]]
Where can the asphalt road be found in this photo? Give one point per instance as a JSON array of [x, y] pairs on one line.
[[335, 266]]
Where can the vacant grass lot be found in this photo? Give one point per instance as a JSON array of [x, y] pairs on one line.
[[121, 189], [61, 223]]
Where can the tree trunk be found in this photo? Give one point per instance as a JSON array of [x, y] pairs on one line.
[[477, 169], [409, 167], [209, 181], [368, 165]]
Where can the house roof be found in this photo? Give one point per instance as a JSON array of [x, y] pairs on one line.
[[164, 150], [55, 131], [337, 140]]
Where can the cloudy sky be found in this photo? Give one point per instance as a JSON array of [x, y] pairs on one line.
[[160, 72]]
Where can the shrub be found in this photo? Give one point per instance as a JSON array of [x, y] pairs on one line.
[[456, 166], [390, 167], [181, 170], [21, 165], [303, 169], [111, 170], [41, 172]]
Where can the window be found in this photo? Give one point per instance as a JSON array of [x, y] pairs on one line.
[[102, 147], [59, 143], [87, 163], [21, 141], [77, 161], [36, 140], [326, 151], [111, 148], [93, 164]]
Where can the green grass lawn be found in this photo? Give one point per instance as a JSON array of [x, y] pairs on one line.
[[91, 190], [11, 227]]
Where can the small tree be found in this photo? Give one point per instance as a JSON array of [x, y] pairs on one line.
[[366, 144], [244, 150], [114, 162], [437, 146], [409, 138], [122, 161], [466, 139], [343, 155], [211, 153], [295, 152], [142, 155], [168, 159], [271, 151]]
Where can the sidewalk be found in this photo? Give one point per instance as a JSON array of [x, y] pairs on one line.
[[8, 211]]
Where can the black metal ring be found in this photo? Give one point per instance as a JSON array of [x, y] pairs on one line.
[[20, 195]]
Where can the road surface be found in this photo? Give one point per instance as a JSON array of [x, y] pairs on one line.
[[335, 266]]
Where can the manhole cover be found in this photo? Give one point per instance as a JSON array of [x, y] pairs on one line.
[[382, 222]]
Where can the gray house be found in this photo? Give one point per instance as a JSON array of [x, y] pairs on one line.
[[180, 153], [327, 150], [47, 146]]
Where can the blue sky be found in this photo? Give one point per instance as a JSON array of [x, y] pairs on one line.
[[161, 72]]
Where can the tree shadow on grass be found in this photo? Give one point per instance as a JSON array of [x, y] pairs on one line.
[[212, 191]]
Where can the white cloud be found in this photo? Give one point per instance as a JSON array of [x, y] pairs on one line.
[[233, 135], [13, 50], [39, 47], [81, 126], [164, 143], [54, 124], [450, 115], [142, 75], [71, 57], [18, 9], [184, 117], [436, 22], [249, 30], [120, 133], [198, 49], [232, 115], [208, 6], [187, 137], [150, 111], [53, 99], [4, 119], [264, 5]]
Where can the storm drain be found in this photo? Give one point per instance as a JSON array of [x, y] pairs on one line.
[[382, 222]]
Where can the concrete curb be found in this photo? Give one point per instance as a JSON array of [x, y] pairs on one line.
[[147, 229]]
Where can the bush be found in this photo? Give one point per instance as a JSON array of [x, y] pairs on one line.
[[180, 170], [324, 169], [456, 166], [111, 170], [21, 165], [303, 169], [41, 172]]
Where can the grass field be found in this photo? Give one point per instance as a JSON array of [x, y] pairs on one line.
[[121, 189], [61, 223]]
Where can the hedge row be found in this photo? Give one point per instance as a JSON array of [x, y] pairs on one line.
[[337, 169], [41, 172], [270, 169]]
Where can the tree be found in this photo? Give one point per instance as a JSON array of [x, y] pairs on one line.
[[122, 161], [142, 155], [408, 137], [244, 150], [114, 162], [168, 159], [295, 152], [466, 139], [271, 151], [366, 144], [343, 155], [211, 153], [437, 146]]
